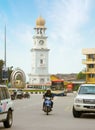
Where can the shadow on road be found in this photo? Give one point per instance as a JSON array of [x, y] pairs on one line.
[[1, 127], [88, 116]]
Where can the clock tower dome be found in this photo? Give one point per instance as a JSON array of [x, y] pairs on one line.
[[39, 74]]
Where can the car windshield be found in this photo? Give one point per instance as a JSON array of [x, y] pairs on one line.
[[87, 90]]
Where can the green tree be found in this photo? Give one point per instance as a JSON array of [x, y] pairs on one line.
[[1, 66], [9, 71], [80, 75]]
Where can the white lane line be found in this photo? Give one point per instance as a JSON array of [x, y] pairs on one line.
[[68, 108]]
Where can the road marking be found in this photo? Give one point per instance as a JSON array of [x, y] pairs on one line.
[[68, 108]]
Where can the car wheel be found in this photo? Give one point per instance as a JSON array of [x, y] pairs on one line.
[[76, 113], [8, 122]]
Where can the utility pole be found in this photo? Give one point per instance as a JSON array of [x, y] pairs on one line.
[[5, 69], [5, 48]]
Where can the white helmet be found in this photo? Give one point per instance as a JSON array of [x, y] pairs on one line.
[[48, 90]]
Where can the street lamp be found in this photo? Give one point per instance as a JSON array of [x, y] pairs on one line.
[[5, 69], [5, 47]]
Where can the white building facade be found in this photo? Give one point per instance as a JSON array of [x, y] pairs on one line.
[[39, 73]]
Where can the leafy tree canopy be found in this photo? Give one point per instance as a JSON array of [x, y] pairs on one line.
[[1, 66], [80, 75], [9, 71]]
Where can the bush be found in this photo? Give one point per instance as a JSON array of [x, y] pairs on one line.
[[76, 87]]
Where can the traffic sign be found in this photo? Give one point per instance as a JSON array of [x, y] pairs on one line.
[[4, 74]]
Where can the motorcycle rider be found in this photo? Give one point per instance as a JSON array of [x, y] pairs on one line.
[[50, 95]]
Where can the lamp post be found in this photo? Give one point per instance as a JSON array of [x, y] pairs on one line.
[[5, 47], [5, 69]]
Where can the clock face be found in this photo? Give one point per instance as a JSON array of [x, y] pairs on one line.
[[41, 42]]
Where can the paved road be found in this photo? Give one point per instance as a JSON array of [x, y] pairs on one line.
[[29, 116]]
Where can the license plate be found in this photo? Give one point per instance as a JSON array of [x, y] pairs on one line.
[[92, 107]]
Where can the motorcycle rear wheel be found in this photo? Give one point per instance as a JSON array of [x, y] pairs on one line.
[[47, 110]]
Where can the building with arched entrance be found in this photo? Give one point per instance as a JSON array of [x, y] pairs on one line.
[[18, 78]]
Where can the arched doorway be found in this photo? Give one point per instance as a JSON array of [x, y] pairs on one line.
[[18, 78]]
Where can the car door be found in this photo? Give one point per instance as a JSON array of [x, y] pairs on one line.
[[3, 103]]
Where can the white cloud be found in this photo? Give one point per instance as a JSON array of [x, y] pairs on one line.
[[67, 18]]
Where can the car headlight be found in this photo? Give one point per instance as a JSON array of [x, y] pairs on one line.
[[78, 100]]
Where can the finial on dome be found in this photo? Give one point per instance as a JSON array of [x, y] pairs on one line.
[[40, 22]]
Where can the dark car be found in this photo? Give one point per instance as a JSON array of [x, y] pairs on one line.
[[26, 95], [19, 94]]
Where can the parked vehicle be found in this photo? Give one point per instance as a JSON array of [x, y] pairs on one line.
[[84, 101], [13, 94], [6, 107], [58, 88], [47, 105], [19, 94], [26, 95]]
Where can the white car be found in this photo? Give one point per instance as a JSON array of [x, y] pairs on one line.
[[84, 101], [6, 107]]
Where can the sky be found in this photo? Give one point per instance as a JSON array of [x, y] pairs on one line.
[[70, 28]]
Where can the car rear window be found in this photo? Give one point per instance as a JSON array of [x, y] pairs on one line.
[[1, 94], [4, 94]]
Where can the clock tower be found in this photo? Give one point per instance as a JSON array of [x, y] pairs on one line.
[[39, 74]]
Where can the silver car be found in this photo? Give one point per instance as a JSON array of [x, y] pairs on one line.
[[84, 101]]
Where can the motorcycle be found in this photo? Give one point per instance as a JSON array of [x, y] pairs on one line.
[[47, 105]]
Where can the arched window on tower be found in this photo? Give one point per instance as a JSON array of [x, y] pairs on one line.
[[41, 61], [42, 80], [37, 31], [40, 30]]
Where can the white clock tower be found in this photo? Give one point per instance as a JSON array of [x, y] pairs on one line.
[[39, 74]]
